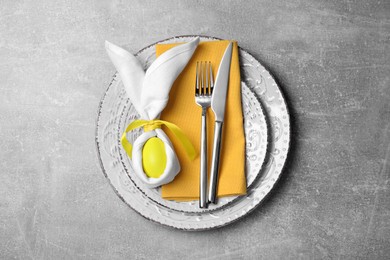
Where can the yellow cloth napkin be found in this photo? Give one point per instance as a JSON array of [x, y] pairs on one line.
[[185, 113]]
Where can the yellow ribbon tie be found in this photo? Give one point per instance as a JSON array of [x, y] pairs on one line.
[[150, 125]]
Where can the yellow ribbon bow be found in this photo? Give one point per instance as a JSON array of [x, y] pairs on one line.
[[150, 125]]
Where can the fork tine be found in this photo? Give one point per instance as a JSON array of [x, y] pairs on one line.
[[197, 84], [196, 79], [208, 77], [211, 80], [206, 87], [202, 77]]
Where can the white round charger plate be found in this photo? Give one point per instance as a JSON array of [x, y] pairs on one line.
[[115, 112]]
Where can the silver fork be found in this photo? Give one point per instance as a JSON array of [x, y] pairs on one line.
[[204, 86]]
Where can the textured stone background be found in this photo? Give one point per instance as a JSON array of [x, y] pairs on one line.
[[332, 61]]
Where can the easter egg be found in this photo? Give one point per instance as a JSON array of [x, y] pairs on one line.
[[154, 158]]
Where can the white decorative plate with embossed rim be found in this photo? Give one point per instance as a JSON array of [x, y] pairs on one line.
[[268, 145]]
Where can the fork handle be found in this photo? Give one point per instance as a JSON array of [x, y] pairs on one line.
[[203, 163], [215, 162]]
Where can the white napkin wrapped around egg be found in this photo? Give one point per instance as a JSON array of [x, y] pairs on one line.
[[149, 92]]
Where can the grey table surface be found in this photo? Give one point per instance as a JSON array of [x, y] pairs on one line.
[[332, 61]]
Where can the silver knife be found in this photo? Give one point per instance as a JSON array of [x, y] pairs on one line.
[[218, 102]]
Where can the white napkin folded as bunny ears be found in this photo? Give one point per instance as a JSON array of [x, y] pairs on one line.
[[149, 92]]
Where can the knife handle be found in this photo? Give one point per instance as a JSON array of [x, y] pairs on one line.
[[215, 162], [203, 163]]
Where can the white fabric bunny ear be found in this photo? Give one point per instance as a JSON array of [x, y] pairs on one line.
[[149, 92]]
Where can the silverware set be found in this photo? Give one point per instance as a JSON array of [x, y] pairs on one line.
[[208, 94]]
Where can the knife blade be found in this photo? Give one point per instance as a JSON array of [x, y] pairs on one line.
[[218, 102], [221, 85]]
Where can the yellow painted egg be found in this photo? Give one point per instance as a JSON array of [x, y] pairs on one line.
[[154, 158]]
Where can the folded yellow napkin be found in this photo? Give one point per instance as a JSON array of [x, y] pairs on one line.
[[185, 113]]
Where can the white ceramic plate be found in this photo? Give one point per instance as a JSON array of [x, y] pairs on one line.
[[258, 89]]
